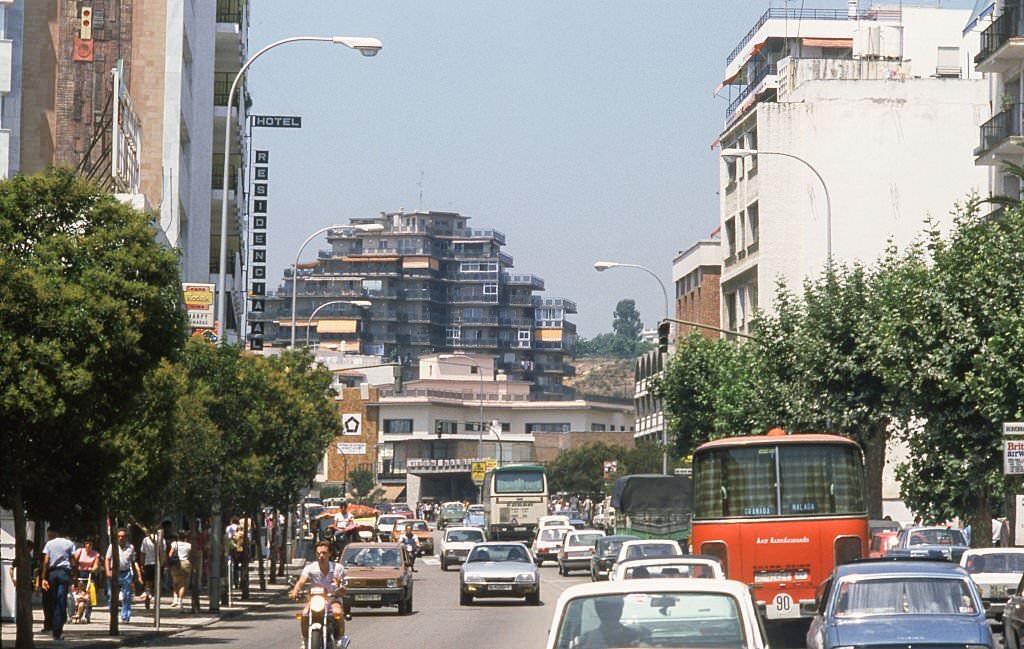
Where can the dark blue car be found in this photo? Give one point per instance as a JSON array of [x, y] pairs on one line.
[[929, 542], [890, 603]]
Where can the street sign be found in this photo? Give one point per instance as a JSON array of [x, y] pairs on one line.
[[610, 467], [352, 424], [350, 448], [1013, 448], [198, 300], [277, 121], [479, 470]]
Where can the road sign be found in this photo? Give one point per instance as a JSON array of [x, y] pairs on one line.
[[479, 470], [610, 467], [1013, 448], [350, 448]]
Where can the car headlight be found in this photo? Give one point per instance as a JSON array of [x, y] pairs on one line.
[[474, 579], [318, 603], [392, 583], [525, 576]]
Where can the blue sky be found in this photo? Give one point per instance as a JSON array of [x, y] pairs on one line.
[[580, 128]]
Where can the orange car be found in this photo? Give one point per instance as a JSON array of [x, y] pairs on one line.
[[377, 574], [420, 530]]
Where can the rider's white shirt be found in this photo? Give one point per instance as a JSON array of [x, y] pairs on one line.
[[341, 521], [316, 577]]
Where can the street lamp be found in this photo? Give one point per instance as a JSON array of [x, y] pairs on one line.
[[364, 45], [362, 304], [739, 153], [480, 373], [601, 266], [363, 227]]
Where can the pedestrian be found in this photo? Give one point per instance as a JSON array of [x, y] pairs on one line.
[[128, 574], [179, 560], [87, 561], [147, 565], [58, 562]]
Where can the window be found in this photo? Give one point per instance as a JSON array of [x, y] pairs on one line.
[[947, 62], [398, 426], [490, 289], [446, 427], [730, 237], [453, 332], [597, 428], [753, 223], [519, 482], [548, 428], [730, 307], [730, 171]]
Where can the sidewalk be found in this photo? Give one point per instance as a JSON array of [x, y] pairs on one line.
[[142, 627]]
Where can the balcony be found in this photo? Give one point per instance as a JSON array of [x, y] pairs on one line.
[[1002, 44], [222, 86], [468, 233], [1001, 137], [231, 11], [755, 83], [532, 281]]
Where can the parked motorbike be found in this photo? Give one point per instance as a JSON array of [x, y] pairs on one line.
[[322, 623]]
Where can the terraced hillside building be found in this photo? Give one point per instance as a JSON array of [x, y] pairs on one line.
[[435, 285]]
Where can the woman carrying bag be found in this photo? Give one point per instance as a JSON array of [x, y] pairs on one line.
[[179, 560]]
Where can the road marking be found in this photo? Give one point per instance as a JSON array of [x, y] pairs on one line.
[[431, 561]]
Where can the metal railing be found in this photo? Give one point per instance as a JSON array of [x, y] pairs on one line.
[[1002, 126], [995, 35], [230, 11], [218, 171], [759, 75], [783, 13]]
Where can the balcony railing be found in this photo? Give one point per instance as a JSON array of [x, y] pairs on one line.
[[755, 80], [218, 171], [797, 15], [230, 11], [995, 35], [1001, 127], [222, 86]]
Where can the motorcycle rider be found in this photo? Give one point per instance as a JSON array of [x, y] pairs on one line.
[[411, 543], [329, 575], [345, 528]]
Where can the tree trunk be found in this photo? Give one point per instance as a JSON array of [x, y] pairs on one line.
[[874, 463], [23, 566], [246, 546], [271, 539], [115, 575], [981, 521]]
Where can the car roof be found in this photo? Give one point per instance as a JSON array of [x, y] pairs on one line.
[[567, 528], [924, 528], [358, 546], [973, 552], [462, 528], [886, 567], [727, 586], [634, 542], [620, 537], [586, 531], [496, 543]]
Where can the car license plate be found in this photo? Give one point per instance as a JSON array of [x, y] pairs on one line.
[[520, 529], [367, 598], [782, 606], [500, 586]]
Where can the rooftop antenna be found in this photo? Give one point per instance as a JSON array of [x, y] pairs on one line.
[[421, 189]]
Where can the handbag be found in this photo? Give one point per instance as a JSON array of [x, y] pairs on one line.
[[92, 592]]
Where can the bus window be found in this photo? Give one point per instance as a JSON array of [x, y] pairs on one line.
[[821, 480], [735, 482], [508, 482]]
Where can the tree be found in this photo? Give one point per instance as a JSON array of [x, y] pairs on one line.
[[581, 470], [88, 305], [361, 483], [624, 340]]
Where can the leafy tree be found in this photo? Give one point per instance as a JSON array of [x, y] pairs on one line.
[[624, 340], [88, 305], [361, 482], [581, 470], [626, 323]]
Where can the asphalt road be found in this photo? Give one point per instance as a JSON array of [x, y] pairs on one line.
[[437, 620]]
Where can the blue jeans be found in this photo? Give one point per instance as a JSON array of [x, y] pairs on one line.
[[126, 581], [60, 583]]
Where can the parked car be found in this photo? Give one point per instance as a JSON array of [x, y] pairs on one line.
[[657, 613], [575, 518], [901, 603], [577, 548], [687, 566], [452, 513], [1013, 619], [420, 530], [929, 542], [997, 572], [548, 541], [402, 508], [605, 552], [377, 574], [457, 543], [386, 526], [499, 569], [647, 549]]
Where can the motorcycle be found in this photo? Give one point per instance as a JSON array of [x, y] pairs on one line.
[[322, 622]]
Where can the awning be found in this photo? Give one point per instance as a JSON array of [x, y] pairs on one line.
[[981, 9], [827, 42], [392, 492]]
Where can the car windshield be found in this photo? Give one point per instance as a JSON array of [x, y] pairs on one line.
[[553, 534], [418, 526], [372, 557], [912, 595], [609, 546], [651, 551], [457, 509], [475, 536], [477, 509], [667, 571], [584, 539], [388, 520], [652, 619], [499, 553], [936, 537], [1008, 562]]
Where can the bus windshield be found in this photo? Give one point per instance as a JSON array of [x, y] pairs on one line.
[[778, 480], [518, 482]]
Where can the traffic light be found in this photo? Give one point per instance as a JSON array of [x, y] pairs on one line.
[[664, 332]]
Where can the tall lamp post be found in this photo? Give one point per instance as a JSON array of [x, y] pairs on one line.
[[363, 227], [601, 266], [739, 153], [367, 47], [362, 304]]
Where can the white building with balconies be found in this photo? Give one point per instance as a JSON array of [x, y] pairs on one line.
[[882, 103]]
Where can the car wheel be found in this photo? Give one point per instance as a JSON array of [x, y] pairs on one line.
[[533, 598], [408, 604], [444, 564], [465, 599], [561, 569]]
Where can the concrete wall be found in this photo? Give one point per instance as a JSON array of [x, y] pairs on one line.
[[353, 401], [39, 70]]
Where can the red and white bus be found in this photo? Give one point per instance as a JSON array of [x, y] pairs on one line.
[[780, 512]]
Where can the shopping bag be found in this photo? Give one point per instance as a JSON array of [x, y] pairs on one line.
[[92, 593]]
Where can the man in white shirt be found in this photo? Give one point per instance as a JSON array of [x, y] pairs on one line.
[[147, 565], [328, 575], [127, 572]]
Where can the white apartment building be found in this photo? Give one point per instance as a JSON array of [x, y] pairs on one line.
[[1000, 25], [10, 84], [881, 102]]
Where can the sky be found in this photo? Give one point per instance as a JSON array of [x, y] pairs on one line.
[[582, 129]]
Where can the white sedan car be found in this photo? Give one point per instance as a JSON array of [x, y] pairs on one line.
[[673, 567], [647, 549], [657, 613], [548, 542], [996, 571], [577, 549], [457, 543]]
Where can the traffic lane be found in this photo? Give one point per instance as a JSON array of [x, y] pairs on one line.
[[274, 627]]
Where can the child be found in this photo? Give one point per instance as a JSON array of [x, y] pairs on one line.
[[80, 597]]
